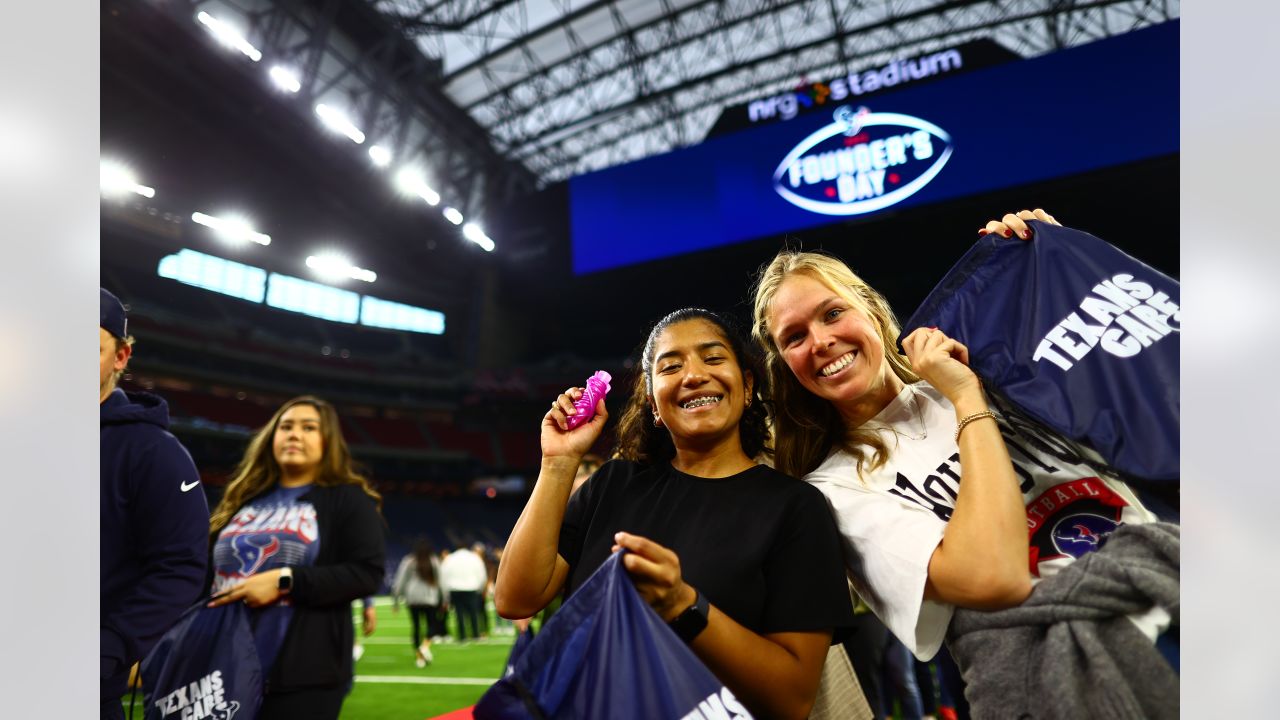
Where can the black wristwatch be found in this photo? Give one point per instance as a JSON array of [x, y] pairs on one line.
[[286, 580], [693, 620]]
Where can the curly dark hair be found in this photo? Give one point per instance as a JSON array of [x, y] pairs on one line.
[[640, 441]]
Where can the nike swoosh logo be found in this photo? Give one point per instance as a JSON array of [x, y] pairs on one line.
[[188, 486]]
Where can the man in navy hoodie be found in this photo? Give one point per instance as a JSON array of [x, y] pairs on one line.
[[155, 520]]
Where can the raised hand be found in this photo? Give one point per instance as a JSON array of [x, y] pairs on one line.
[[1015, 223], [560, 442], [941, 361]]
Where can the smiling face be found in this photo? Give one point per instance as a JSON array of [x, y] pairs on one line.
[[699, 389], [298, 445], [831, 347]]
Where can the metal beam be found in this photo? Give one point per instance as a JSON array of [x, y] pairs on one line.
[[625, 123]]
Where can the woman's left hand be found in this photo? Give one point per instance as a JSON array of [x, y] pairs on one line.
[[655, 570], [1016, 223], [256, 590]]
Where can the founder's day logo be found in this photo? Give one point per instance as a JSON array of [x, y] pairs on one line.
[[862, 162]]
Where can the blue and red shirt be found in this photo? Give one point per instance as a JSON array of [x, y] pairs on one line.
[[272, 531]]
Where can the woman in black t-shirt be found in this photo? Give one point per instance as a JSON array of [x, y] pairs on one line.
[[743, 559]]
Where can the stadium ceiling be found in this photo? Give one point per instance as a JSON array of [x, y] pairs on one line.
[[570, 86], [500, 97]]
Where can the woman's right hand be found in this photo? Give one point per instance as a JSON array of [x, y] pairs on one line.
[[560, 442], [941, 361]]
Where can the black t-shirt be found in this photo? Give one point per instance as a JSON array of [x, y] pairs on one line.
[[760, 545]]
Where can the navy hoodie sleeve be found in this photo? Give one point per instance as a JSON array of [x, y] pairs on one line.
[[171, 526]]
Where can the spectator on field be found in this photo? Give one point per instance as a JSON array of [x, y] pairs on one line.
[[417, 584], [298, 536], [463, 576], [742, 561], [153, 548]]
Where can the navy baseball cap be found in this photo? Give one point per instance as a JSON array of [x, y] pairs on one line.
[[111, 315]]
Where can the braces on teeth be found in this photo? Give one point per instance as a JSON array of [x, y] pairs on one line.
[[699, 402]]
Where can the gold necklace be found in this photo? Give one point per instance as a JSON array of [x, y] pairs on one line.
[[915, 404]]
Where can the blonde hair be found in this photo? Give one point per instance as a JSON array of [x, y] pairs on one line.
[[806, 428], [258, 470]]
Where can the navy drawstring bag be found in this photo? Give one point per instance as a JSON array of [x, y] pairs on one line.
[[607, 654], [522, 643], [1078, 335], [205, 666]]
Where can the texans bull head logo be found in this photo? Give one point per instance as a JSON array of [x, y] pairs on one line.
[[1082, 533], [252, 551]]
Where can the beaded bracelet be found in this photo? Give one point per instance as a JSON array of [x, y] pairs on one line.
[[970, 418]]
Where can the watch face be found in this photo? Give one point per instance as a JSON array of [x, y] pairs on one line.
[[692, 621]]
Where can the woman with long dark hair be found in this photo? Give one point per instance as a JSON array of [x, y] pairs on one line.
[[742, 560], [297, 537], [417, 583]]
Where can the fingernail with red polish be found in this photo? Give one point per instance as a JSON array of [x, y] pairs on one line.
[[1007, 233]]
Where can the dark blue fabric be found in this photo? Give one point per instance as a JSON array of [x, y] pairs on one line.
[[607, 654], [522, 643], [205, 666], [153, 533], [1014, 304]]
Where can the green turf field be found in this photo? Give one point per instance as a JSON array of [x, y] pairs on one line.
[[390, 687]]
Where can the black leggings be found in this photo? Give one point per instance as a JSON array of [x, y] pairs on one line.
[[428, 615], [320, 704]]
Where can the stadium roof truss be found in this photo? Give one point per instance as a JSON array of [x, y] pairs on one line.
[[347, 55], [570, 86], [497, 97]]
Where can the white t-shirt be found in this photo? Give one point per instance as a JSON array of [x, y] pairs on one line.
[[463, 570], [892, 521]]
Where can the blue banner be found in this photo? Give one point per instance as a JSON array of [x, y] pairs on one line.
[[1108, 103]]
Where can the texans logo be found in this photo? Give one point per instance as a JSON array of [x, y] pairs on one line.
[[227, 712], [1078, 534], [252, 551]]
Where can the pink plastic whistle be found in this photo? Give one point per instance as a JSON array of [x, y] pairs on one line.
[[585, 406]]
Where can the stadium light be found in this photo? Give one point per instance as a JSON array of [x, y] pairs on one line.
[[380, 155], [452, 216], [235, 229], [337, 267], [475, 234], [229, 36], [338, 122], [115, 180], [411, 183], [285, 79]]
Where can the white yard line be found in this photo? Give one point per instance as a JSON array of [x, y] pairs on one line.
[[406, 641], [420, 680]]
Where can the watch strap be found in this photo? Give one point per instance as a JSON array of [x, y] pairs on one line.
[[688, 624]]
